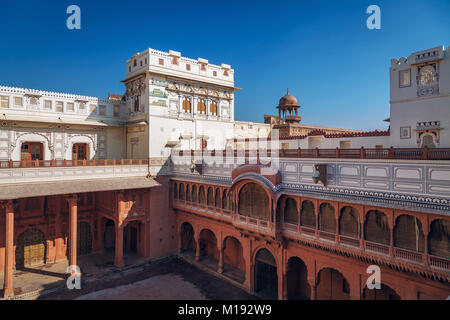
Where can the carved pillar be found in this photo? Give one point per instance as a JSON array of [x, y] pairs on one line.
[[197, 249], [336, 218], [9, 206], [426, 231], [220, 269], [118, 257], [180, 104], [316, 209], [72, 202]]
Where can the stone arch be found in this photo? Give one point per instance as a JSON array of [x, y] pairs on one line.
[[210, 197], [290, 212], [217, 200], [194, 193], [307, 214], [187, 238], [265, 274], [385, 293], [439, 238], [332, 285], [376, 227], [31, 248], [298, 287], [254, 201], [408, 233], [208, 244], [233, 253], [327, 219], [349, 224], [181, 192], [201, 195]]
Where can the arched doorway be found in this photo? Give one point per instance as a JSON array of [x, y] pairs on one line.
[[332, 285], [297, 283], [385, 293], [84, 238], [187, 238], [266, 277], [327, 220], [31, 248], [109, 236], [233, 259], [208, 244]]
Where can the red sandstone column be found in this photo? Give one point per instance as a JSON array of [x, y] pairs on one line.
[[72, 201], [197, 249], [118, 258], [220, 270], [8, 290]]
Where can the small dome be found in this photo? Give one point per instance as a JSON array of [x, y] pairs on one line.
[[288, 101]]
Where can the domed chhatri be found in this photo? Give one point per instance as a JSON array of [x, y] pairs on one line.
[[288, 109], [288, 101]]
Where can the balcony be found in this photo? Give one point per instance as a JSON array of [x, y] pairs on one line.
[[376, 251]]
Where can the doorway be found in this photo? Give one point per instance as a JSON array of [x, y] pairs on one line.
[[79, 151], [32, 151]]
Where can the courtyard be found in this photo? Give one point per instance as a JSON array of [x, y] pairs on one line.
[[168, 279]]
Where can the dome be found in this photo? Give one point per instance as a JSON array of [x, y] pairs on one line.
[[288, 101]]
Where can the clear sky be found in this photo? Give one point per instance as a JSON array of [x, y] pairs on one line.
[[322, 50]]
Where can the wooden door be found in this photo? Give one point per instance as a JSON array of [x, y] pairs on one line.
[[32, 151], [79, 151]]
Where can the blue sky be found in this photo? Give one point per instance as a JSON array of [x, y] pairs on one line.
[[322, 50]]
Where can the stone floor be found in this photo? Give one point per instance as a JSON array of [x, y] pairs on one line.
[[162, 287], [31, 280], [168, 279]]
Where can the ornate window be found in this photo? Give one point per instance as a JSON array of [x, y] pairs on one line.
[[186, 105], [201, 107], [213, 108], [405, 78]]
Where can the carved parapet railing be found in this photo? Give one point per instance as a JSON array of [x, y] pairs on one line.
[[361, 153], [4, 164]]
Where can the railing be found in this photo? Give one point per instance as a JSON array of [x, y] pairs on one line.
[[377, 247], [70, 163], [408, 255], [362, 153], [327, 235], [349, 241], [439, 262]]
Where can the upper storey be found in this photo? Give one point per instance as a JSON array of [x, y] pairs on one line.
[[424, 74], [173, 64], [19, 104]]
